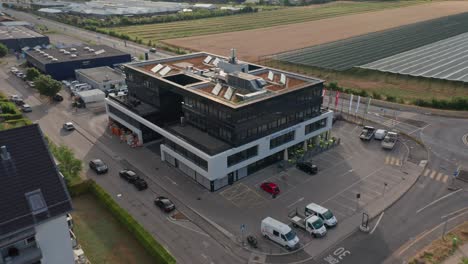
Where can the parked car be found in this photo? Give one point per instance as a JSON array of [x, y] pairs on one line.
[[128, 175], [14, 97], [20, 75], [98, 166], [31, 84], [271, 188], [14, 70], [280, 233], [307, 167], [152, 50], [380, 134], [68, 126], [58, 97], [26, 108], [164, 204], [367, 133], [140, 184]]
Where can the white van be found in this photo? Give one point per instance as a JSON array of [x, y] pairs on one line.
[[279, 233], [323, 213]]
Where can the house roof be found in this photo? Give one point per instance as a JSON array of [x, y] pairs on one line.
[[30, 169]]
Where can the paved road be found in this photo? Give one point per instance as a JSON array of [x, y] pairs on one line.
[[85, 35]]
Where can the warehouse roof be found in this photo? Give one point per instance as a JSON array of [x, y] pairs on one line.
[[31, 188], [101, 74], [74, 54], [17, 32]]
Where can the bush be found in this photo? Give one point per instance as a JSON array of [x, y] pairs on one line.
[[8, 108], [376, 95], [146, 239], [69, 166], [3, 50], [32, 73], [79, 188], [47, 86], [390, 98], [11, 116], [455, 103]]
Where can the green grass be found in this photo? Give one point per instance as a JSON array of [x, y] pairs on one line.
[[156, 32], [103, 238]]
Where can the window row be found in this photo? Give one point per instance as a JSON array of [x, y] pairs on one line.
[[283, 139], [242, 155], [187, 154], [207, 109], [315, 126]]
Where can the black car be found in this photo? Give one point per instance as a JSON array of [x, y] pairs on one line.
[[164, 204], [128, 175], [140, 184], [307, 167], [98, 166], [57, 97]]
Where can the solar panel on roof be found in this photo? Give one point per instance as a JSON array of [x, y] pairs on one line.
[[215, 62], [207, 59], [157, 68], [283, 79], [165, 71], [271, 75], [228, 93], [216, 89]]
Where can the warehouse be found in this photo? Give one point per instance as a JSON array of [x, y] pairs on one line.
[[102, 78], [18, 37], [62, 63]]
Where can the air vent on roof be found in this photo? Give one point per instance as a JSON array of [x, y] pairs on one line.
[[73, 56], [207, 59], [91, 50], [271, 76], [45, 54], [41, 52], [54, 59], [157, 68], [216, 89], [50, 57], [72, 49], [165, 71], [228, 94], [86, 48], [99, 52], [66, 52], [62, 50]]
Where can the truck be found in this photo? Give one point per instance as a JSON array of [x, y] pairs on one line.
[[390, 140], [311, 224], [367, 133], [91, 96]]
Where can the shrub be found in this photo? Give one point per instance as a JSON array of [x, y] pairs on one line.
[[8, 108], [11, 116], [3, 50], [376, 95], [32, 73], [390, 98]]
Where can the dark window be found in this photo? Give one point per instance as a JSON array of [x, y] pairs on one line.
[[36, 202], [280, 140], [187, 154], [123, 116], [241, 156], [315, 126], [275, 233]]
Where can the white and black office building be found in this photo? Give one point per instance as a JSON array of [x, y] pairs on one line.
[[220, 119]]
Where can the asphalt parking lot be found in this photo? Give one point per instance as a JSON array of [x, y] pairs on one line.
[[351, 168]]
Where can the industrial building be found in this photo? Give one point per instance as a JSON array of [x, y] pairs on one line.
[[19, 37], [34, 201], [62, 63], [102, 78], [220, 119]]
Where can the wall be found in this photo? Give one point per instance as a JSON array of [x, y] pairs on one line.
[[54, 240]]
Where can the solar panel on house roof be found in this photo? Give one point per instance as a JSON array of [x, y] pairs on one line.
[[157, 68], [215, 62], [271, 75], [283, 79], [216, 89]]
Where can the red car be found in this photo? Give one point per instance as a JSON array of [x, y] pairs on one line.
[[271, 188]]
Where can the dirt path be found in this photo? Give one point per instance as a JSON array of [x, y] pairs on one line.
[[251, 44]]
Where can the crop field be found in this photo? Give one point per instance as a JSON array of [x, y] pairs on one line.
[[345, 54], [207, 26], [445, 59]]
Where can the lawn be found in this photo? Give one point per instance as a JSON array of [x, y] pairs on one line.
[[155, 32], [102, 237]]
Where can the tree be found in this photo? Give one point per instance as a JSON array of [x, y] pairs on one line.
[[3, 50], [69, 166], [47, 86], [32, 73]]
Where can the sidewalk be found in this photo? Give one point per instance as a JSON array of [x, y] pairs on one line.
[[462, 252]]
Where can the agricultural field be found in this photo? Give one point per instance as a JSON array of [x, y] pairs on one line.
[[251, 45], [181, 29], [445, 59], [357, 51]]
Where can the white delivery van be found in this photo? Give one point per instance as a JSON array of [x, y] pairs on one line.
[[323, 213], [279, 233], [380, 134]]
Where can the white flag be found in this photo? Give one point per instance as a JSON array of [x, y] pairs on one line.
[[357, 105], [350, 102]]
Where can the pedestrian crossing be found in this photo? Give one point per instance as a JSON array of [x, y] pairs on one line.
[[389, 160], [436, 175]]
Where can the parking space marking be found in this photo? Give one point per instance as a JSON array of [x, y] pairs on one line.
[[298, 200], [426, 172], [370, 189], [433, 174], [444, 180]]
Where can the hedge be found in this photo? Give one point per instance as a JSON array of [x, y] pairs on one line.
[[11, 116], [155, 249]]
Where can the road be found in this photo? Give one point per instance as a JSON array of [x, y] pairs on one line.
[[85, 35], [193, 241]]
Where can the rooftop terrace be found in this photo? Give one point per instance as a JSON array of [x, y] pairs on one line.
[[224, 80]]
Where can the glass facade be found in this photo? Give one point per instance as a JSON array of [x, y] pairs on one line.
[[315, 126], [186, 154], [280, 140], [242, 155]]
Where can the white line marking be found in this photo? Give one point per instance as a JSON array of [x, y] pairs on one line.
[[376, 224], [433, 174], [427, 172], [441, 198], [439, 176], [454, 212], [444, 180], [465, 139], [299, 200], [196, 231], [173, 182]]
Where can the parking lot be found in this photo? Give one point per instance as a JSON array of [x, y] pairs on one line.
[[353, 168]]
